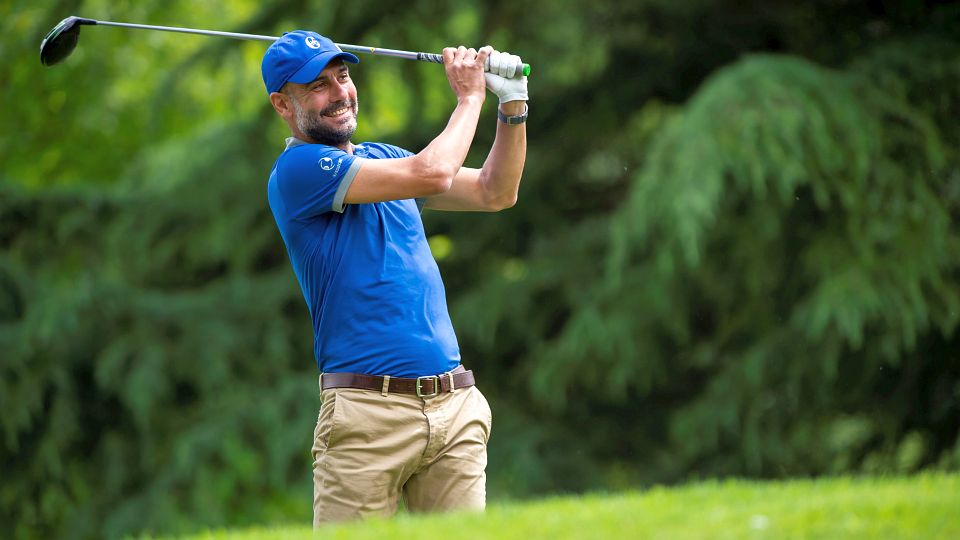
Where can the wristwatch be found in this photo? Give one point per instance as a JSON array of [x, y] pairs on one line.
[[513, 120]]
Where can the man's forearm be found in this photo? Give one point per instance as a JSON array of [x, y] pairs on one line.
[[501, 172]]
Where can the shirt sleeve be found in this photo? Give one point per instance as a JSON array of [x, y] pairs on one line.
[[313, 179]]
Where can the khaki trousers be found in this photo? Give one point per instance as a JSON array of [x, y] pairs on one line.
[[370, 449]]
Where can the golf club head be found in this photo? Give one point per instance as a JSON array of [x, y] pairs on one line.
[[60, 42]]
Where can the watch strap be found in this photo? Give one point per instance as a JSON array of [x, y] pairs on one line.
[[513, 120]]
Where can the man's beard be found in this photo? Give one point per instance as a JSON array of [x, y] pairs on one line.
[[311, 124]]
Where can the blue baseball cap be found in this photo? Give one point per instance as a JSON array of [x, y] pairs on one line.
[[299, 56]]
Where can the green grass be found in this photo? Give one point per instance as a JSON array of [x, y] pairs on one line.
[[926, 507]]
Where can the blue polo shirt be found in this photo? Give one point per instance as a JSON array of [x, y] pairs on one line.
[[371, 284]]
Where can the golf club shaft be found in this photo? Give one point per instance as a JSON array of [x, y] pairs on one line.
[[523, 69], [235, 35]]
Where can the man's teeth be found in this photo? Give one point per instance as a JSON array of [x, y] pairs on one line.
[[338, 112]]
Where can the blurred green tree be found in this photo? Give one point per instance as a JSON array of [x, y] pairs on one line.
[[735, 253]]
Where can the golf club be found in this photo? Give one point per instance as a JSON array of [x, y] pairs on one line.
[[60, 42]]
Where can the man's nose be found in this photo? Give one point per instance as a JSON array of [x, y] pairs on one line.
[[340, 91]]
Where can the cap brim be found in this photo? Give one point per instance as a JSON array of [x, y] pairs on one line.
[[315, 65]]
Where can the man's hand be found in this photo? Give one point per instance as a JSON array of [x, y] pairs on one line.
[[503, 66], [464, 69]]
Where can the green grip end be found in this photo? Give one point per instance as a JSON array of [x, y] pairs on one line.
[[526, 69]]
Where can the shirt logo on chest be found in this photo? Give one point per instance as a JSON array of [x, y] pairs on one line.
[[326, 164]]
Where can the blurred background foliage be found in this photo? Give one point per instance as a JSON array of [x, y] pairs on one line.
[[736, 252]]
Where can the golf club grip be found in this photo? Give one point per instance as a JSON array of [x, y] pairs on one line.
[[522, 69], [430, 57]]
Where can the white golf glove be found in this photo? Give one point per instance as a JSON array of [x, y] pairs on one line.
[[501, 69]]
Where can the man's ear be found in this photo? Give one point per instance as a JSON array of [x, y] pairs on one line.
[[281, 104]]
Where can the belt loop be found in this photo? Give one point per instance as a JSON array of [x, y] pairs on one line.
[[452, 387], [386, 386], [321, 383]]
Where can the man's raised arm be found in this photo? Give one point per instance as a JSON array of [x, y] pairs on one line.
[[495, 186]]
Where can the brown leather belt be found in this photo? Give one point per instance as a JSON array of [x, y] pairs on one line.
[[422, 386]]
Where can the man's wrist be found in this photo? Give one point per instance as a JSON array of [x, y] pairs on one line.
[[471, 99], [513, 108]]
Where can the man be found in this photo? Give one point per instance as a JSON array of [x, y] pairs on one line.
[[400, 417]]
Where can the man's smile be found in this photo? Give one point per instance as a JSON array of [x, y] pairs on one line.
[[338, 112]]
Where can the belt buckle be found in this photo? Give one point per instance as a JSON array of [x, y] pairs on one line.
[[436, 386]]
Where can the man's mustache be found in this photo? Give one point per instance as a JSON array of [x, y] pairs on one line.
[[337, 106]]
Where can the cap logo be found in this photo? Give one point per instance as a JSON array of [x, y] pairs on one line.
[[312, 42]]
